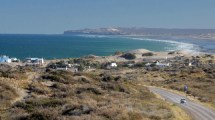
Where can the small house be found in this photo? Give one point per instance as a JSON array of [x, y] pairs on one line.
[[35, 61], [15, 60], [162, 64], [190, 64], [113, 65], [130, 65], [5, 59], [148, 64]]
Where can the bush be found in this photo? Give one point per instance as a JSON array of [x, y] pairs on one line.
[[81, 67], [61, 76], [77, 110], [118, 53], [129, 56], [32, 105], [44, 114], [147, 54], [170, 53], [142, 64], [89, 89]]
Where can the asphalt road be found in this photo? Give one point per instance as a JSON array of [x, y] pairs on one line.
[[194, 109]]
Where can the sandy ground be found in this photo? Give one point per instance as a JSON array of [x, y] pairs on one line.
[[138, 53]]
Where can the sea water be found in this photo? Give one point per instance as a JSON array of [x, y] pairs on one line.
[[70, 46]]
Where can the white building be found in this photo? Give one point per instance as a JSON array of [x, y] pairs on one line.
[[15, 60], [147, 64], [5, 59], [130, 65], [113, 65], [35, 61], [162, 64]]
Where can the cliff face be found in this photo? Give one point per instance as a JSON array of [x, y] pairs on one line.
[[193, 33]]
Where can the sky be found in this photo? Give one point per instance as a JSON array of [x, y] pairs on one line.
[[56, 16]]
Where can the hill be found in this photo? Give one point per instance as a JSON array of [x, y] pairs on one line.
[[164, 32]]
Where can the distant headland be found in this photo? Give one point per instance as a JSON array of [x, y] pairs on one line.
[[162, 32]]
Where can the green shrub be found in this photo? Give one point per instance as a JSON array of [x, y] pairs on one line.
[[31, 104], [147, 54], [129, 56], [142, 64]]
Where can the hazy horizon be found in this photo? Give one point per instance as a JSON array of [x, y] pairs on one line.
[[54, 17]]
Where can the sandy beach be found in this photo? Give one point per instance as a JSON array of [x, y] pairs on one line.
[[139, 56]]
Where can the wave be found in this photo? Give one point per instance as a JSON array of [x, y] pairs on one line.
[[94, 36], [175, 45]]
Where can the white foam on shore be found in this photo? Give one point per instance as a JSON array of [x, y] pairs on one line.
[[176, 46], [94, 36]]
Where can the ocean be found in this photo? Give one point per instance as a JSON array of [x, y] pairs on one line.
[[72, 46]]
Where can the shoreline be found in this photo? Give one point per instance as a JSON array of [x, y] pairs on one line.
[[138, 53], [171, 45], [181, 43], [139, 58], [172, 37], [197, 44]]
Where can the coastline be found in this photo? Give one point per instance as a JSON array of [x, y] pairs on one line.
[[157, 56], [104, 45], [198, 44], [172, 37], [140, 58], [88, 73], [117, 58]]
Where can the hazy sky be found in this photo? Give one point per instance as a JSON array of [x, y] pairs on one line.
[[55, 16]]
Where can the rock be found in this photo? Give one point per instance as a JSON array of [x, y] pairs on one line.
[[84, 80], [86, 109], [77, 110], [4, 68], [72, 110]]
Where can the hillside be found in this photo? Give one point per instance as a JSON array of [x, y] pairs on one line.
[[57, 94], [102, 93]]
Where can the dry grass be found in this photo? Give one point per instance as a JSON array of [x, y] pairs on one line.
[[98, 95], [200, 81], [8, 94]]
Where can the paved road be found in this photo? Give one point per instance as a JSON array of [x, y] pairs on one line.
[[196, 110]]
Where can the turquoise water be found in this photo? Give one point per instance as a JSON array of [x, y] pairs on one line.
[[64, 46]]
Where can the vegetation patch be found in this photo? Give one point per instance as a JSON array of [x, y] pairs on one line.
[[148, 54], [99, 95], [129, 56], [7, 94]]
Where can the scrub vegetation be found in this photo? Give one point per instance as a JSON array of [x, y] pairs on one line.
[[58, 94]]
